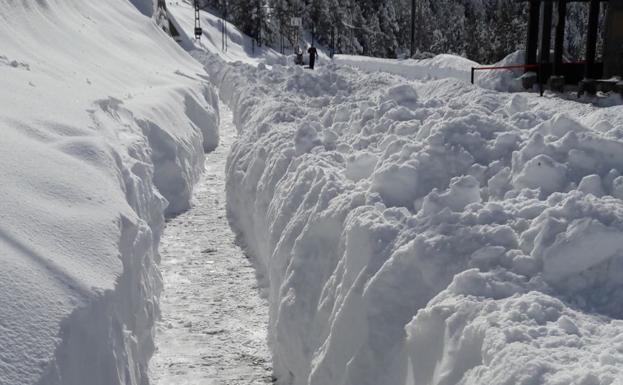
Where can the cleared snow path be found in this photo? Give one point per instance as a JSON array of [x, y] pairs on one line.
[[214, 323]]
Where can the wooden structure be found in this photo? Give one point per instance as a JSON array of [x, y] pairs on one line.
[[588, 74]]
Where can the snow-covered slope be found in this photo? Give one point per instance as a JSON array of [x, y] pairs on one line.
[[438, 67], [443, 66], [428, 233], [240, 47], [99, 107]]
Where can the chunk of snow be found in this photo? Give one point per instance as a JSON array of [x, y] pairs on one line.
[[542, 172], [360, 165]]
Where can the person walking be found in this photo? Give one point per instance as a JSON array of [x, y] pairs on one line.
[[299, 56], [312, 56]]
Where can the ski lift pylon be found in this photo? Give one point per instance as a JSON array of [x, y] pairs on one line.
[[198, 30]]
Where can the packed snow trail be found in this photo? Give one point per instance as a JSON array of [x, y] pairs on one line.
[[214, 323]]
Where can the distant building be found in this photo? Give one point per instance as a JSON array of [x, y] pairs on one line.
[[591, 75]]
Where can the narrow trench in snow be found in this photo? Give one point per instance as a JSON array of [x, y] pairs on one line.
[[214, 323]]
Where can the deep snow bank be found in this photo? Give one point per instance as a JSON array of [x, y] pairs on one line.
[[442, 66], [98, 107], [428, 233], [439, 67]]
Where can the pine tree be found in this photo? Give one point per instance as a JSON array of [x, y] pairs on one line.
[[389, 30], [483, 30]]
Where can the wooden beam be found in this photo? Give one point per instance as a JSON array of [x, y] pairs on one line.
[[546, 32], [559, 44], [613, 47], [591, 38], [533, 33]]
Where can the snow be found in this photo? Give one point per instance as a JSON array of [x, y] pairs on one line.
[[477, 333], [98, 141], [214, 322], [406, 230], [240, 47], [438, 67], [444, 66], [427, 232]]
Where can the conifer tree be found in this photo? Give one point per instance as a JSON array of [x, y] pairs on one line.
[[482, 30]]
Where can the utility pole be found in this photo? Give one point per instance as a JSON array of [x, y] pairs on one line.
[[412, 27], [224, 27], [259, 23], [198, 30]]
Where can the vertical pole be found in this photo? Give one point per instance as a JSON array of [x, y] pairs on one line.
[[420, 25], [313, 21], [560, 37], [412, 27], [259, 23], [197, 20], [533, 32], [613, 44], [591, 39], [546, 32]]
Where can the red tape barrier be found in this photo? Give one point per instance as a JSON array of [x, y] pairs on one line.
[[514, 66]]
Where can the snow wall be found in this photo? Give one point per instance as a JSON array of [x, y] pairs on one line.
[[427, 233], [443, 66], [104, 123]]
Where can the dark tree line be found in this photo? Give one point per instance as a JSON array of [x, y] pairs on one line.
[[482, 30]]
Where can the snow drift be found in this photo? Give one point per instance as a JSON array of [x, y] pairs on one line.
[[427, 233], [443, 66], [104, 122]]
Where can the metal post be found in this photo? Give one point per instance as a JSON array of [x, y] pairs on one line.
[[259, 23], [198, 30], [412, 27], [591, 40], [533, 32], [560, 37], [224, 28], [225, 17], [540, 80], [332, 41]]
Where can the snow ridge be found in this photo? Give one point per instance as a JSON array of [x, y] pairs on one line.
[[111, 338], [94, 152], [427, 233]]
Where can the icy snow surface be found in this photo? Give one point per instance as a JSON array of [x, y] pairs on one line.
[[98, 108], [214, 323], [427, 232]]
